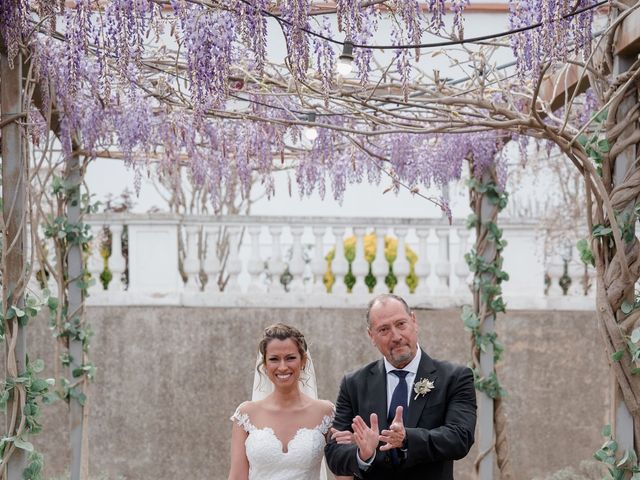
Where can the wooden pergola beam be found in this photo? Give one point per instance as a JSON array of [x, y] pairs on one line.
[[326, 8], [558, 88], [628, 41]]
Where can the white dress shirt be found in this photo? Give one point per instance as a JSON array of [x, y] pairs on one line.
[[392, 383], [393, 380]]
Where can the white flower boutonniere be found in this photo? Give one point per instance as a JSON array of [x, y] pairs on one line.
[[422, 387]]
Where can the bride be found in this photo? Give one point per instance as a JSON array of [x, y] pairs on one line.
[[282, 436]]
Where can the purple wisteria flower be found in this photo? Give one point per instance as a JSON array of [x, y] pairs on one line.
[[560, 33]]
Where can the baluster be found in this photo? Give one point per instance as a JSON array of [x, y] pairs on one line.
[[33, 283], [401, 265], [95, 265], [422, 267], [461, 268], [319, 263], [296, 265], [442, 265], [276, 264], [576, 273], [234, 265], [380, 267], [339, 265], [360, 266], [51, 282], [591, 274], [116, 260], [555, 269], [211, 264], [191, 260], [255, 265]]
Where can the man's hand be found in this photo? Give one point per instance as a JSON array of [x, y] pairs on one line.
[[394, 437], [342, 436], [366, 438]]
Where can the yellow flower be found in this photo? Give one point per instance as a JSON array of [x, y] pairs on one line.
[[370, 245]]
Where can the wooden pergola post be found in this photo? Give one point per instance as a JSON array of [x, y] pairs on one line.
[[14, 196], [556, 90], [625, 162], [488, 212], [77, 413]]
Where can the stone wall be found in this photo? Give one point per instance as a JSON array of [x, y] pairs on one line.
[[169, 378]]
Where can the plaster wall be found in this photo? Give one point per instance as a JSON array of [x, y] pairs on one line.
[[169, 378]]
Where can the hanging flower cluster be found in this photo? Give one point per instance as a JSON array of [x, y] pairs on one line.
[[560, 33], [208, 37], [192, 109]]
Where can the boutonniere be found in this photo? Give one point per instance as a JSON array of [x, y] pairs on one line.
[[422, 387]]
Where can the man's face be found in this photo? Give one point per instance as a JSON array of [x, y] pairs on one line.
[[394, 332]]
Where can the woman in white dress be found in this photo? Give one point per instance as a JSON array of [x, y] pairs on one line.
[[281, 436]]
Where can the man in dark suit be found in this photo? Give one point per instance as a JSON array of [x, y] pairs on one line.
[[420, 413]]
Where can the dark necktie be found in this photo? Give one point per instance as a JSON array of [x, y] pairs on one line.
[[398, 399]]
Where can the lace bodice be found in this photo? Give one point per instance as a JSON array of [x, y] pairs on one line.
[[269, 461]]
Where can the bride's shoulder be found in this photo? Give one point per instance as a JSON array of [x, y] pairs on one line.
[[246, 407], [324, 407], [242, 415], [325, 412]]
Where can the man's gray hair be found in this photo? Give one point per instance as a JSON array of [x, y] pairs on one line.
[[382, 299]]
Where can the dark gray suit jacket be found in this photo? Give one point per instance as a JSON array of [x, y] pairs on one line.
[[440, 425]]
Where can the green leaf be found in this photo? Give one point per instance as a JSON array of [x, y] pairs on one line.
[[583, 139], [52, 303], [586, 255], [618, 474], [601, 230], [37, 365], [39, 385], [617, 356], [635, 335], [24, 445], [606, 431], [472, 221], [469, 318], [601, 116], [603, 146], [4, 398], [626, 307], [50, 398], [498, 305]]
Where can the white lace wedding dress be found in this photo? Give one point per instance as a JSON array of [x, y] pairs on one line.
[[268, 459]]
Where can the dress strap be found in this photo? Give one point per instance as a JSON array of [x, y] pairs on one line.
[[327, 420], [242, 419]]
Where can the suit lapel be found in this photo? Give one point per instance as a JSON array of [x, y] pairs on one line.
[[378, 391], [426, 369]]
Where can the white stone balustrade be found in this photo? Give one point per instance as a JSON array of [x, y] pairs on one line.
[[281, 261]]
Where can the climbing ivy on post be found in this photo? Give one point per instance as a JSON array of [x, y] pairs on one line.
[[485, 262], [71, 239]]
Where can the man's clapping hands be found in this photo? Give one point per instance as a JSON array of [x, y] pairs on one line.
[[368, 437]]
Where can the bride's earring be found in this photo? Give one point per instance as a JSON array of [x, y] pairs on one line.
[[304, 375]]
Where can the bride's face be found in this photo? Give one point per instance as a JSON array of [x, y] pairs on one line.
[[283, 362]]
